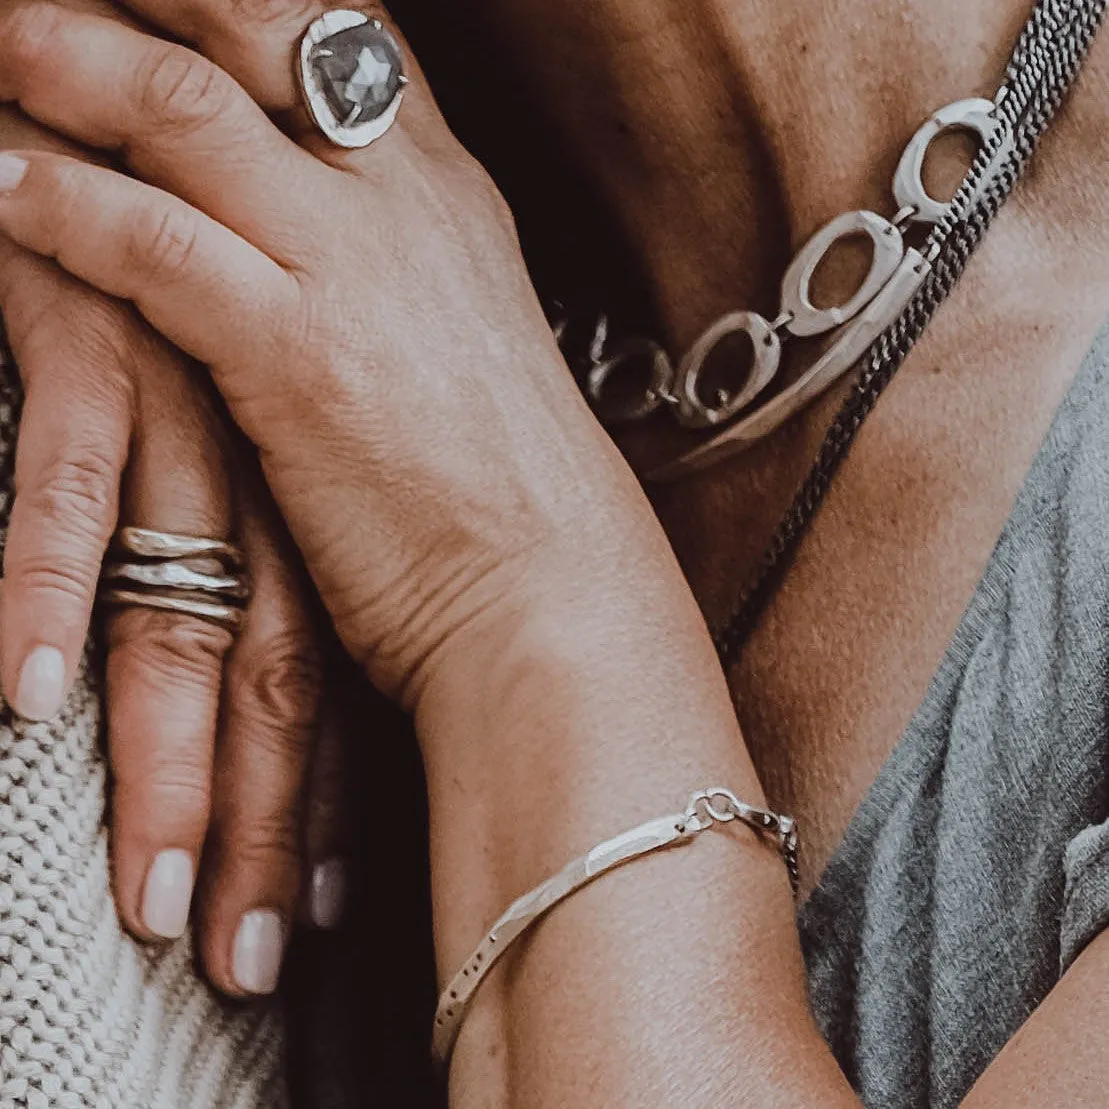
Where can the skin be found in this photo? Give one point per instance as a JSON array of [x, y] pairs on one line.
[[118, 427], [754, 160], [475, 609]]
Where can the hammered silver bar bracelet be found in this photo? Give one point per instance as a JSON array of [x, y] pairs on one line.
[[705, 809]]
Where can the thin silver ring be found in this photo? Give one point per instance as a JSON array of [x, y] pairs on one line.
[[230, 617], [145, 543], [176, 576], [351, 72], [192, 575]]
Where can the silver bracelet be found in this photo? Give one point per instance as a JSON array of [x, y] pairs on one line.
[[705, 809]]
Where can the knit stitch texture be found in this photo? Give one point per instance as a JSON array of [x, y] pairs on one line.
[[89, 1018]]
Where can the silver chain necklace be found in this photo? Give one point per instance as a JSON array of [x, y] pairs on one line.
[[1041, 70], [881, 322], [1042, 66]]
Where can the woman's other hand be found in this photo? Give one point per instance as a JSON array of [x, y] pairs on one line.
[[478, 541], [118, 427], [366, 314]]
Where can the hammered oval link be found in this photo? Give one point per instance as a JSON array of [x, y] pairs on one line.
[[889, 247], [974, 114], [692, 411], [620, 358], [582, 339], [1041, 69]]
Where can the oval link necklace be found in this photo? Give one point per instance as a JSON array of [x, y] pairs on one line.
[[896, 272], [880, 323], [896, 275]]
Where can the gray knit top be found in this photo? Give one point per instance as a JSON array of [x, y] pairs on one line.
[[977, 867]]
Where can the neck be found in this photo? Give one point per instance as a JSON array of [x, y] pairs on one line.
[[723, 132]]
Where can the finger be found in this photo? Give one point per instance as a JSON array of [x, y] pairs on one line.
[[182, 123], [165, 669], [257, 42], [270, 715], [258, 48], [71, 345], [326, 845], [199, 284]]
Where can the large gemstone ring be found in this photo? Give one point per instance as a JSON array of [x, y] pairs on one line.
[[352, 74]]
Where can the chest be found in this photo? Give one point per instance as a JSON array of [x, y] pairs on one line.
[[844, 654]]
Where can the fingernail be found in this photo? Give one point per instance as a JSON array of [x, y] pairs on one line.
[[168, 894], [41, 688], [259, 947], [12, 171], [329, 893]]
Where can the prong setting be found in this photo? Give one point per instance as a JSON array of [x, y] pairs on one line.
[[351, 73]]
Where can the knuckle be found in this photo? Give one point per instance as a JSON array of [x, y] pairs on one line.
[[169, 785], [180, 90], [99, 347], [181, 783], [31, 31], [62, 186], [494, 213], [173, 650], [260, 841], [280, 14], [499, 210], [487, 198], [163, 243], [474, 196], [278, 690], [75, 496], [67, 579]]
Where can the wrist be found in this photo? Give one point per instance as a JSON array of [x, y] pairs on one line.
[[606, 639], [595, 712], [586, 708]]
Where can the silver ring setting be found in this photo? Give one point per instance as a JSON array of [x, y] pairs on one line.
[[187, 574], [352, 76]]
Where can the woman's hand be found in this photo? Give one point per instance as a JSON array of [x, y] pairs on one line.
[[479, 543], [367, 315], [103, 392], [368, 319]]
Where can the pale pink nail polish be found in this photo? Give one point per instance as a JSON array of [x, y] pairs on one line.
[[258, 951], [168, 894], [12, 171], [329, 893], [41, 687]]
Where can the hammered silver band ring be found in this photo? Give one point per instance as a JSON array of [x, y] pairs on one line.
[[188, 574]]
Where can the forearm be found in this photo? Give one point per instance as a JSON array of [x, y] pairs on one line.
[[677, 978]]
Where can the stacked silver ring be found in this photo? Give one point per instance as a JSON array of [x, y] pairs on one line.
[[188, 574]]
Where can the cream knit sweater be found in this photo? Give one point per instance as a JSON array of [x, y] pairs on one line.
[[90, 1019]]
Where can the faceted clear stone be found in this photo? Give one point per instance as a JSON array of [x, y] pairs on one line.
[[359, 71]]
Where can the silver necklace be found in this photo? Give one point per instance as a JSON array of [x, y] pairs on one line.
[[1041, 70], [745, 415]]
